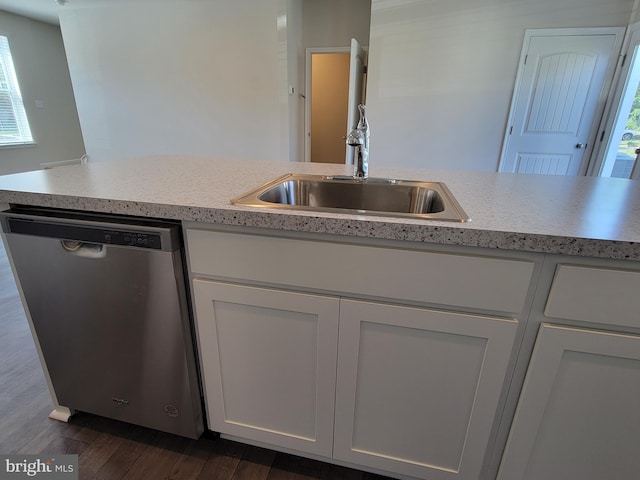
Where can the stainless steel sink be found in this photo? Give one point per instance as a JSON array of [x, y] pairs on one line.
[[373, 196]]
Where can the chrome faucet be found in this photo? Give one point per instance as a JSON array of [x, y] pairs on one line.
[[358, 138]]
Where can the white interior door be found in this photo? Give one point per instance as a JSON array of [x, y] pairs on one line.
[[356, 89], [563, 77]]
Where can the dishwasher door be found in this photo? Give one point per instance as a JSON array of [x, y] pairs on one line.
[[108, 305]]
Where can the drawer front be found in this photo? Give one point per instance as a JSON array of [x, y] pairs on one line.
[[431, 277], [600, 295]]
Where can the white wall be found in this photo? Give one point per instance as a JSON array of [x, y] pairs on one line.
[[295, 80], [635, 14], [41, 68], [193, 77], [333, 23], [441, 74]]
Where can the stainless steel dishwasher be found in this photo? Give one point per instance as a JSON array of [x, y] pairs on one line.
[[108, 304]]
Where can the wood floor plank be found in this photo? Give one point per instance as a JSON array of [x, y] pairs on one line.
[[285, 467], [44, 438], [223, 461], [64, 445], [292, 467], [192, 461], [97, 454], [131, 447], [22, 375], [158, 458], [255, 464], [23, 420]]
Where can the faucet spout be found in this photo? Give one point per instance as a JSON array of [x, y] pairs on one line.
[[358, 138]]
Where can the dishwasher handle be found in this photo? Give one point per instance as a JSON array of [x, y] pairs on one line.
[[84, 249]]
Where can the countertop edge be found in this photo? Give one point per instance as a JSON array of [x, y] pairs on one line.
[[442, 233]]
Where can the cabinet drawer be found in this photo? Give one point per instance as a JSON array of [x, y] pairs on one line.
[[431, 277], [599, 295]]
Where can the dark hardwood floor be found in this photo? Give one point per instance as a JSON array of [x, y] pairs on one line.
[[111, 450]]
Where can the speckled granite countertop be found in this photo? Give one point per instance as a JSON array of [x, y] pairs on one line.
[[597, 217]]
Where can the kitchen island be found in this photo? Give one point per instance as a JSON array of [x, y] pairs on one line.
[[506, 347]]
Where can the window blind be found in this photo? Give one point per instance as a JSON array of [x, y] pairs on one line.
[[14, 126]]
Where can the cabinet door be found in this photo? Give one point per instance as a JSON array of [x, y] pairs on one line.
[[578, 415], [417, 389], [268, 361]]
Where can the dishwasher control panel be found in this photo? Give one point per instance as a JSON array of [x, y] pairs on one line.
[[133, 239], [85, 233]]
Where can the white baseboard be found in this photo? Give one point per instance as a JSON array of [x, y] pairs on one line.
[[48, 165]]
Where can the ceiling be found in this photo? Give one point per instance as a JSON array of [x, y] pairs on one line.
[[43, 10]]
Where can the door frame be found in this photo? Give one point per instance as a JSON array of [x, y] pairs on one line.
[[612, 68], [606, 128], [307, 100]]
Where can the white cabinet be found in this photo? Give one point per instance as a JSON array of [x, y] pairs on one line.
[[268, 362], [418, 389], [294, 330], [578, 416]]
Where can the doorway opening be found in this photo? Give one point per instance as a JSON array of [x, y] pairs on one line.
[[329, 95], [336, 85], [620, 159]]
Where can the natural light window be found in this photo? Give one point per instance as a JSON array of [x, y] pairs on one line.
[[14, 127]]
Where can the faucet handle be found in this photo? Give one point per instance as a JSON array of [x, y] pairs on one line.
[[361, 109], [362, 122]]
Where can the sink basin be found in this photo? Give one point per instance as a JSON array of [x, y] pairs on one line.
[[373, 196]]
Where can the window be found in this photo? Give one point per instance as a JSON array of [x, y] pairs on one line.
[[14, 127]]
